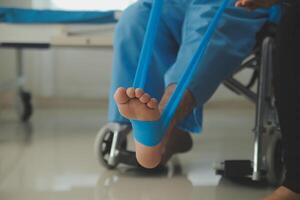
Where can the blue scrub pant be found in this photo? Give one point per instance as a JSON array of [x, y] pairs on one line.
[[183, 24]]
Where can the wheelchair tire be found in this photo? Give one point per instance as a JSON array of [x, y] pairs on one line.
[[274, 160], [103, 145], [24, 106]]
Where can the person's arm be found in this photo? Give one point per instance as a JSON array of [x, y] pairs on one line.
[[254, 4]]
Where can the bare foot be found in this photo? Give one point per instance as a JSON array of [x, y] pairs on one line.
[[283, 193], [134, 103]]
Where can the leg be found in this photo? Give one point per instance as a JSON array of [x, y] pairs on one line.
[[212, 72], [177, 140], [209, 79], [128, 40], [218, 62], [287, 92], [225, 52], [129, 36]]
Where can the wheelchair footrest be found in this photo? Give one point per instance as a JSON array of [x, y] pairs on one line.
[[235, 168]]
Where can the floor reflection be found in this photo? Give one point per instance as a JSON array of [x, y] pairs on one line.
[[241, 189], [129, 184], [14, 138], [171, 183], [14, 131]]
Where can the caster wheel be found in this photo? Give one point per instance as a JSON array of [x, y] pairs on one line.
[[24, 106], [103, 147], [274, 160]]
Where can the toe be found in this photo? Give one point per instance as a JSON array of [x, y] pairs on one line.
[[121, 96], [153, 103], [145, 98], [139, 92], [130, 92]]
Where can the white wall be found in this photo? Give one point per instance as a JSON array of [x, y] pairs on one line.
[[78, 73], [7, 65]]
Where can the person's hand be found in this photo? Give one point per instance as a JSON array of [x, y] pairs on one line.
[[254, 4]]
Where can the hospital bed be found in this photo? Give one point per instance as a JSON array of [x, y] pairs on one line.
[[42, 29], [267, 164]]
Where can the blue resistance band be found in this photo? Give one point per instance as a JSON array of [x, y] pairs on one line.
[[150, 133]]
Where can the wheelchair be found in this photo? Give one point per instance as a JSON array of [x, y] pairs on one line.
[[267, 164]]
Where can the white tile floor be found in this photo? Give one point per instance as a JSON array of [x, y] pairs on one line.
[[52, 158]]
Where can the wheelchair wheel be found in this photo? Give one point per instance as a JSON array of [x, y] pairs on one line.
[[24, 106], [274, 160], [103, 147]]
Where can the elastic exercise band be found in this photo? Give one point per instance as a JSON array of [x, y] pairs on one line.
[[149, 40], [150, 133]]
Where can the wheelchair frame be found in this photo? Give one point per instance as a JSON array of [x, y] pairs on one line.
[[267, 163]]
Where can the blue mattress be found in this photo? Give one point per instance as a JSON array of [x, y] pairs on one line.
[[31, 16]]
